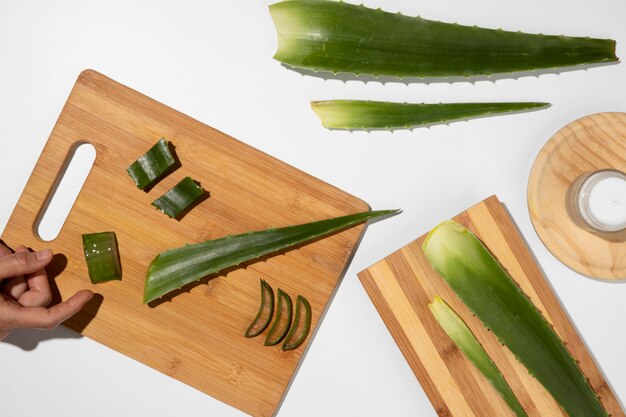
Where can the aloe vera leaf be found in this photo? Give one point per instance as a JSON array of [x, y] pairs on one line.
[[282, 322], [265, 313], [102, 256], [301, 325], [362, 114], [489, 292], [172, 269], [152, 165], [181, 196], [340, 37], [463, 337]]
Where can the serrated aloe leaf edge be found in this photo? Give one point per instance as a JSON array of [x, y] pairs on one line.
[[326, 35], [172, 269], [463, 337], [367, 115], [491, 294]]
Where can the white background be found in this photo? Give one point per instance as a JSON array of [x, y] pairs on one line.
[[213, 61]]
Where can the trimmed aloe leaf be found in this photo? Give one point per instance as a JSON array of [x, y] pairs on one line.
[[266, 310], [172, 269], [101, 254], [301, 325], [489, 292], [281, 325], [340, 37], [152, 165], [463, 337], [181, 196], [361, 114]]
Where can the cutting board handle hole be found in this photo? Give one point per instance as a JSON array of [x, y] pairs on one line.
[[65, 190]]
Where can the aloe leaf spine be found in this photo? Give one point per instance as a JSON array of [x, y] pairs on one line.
[[463, 337], [369, 115], [174, 268], [325, 35], [491, 294]]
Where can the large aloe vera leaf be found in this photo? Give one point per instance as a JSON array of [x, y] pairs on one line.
[[172, 269], [340, 37], [463, 337], [489, 292], [362, 114]]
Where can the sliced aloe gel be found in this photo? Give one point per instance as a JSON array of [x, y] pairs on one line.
[[266, 310], [181, 196], [301, 325], [282, 322]]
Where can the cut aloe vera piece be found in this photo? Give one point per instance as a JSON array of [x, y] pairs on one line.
[[489, 292], [361, 114], [181, 196], [341, 37], [152, 166], [101, 254], [463, 337], [265, 313], [301, 325], [172, 269], [282, 322]]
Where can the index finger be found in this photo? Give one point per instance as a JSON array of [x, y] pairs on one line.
[[47, 318]]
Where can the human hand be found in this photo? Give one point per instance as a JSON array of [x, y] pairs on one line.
[[25, 292]]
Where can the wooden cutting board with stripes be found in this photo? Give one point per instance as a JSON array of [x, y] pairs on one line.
[[401, 286]]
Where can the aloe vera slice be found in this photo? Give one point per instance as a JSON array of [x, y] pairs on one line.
[[341, 37], [181, 196], [265, 313], [301, 325], [152, 165], [282, 322], [489, 292], [361, 114], [172, 269], [101, 254], [463, 337]]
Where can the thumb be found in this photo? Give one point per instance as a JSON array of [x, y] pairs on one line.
[[22, 263]]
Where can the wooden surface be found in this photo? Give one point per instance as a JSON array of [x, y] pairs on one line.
[[197, 335], [585, 145], [401, 286]]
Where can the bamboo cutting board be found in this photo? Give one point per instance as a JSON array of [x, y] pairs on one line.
[[197, 335], [401, 286]]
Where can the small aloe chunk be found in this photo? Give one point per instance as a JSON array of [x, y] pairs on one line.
[[491, 294], [101, 254], [463, 337], [181, 196], [172, 269], [361, 114], [336, 36], [152, 165]]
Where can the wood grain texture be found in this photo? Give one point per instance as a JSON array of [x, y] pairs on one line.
[[401, 286], [197, 335], [583, 146]]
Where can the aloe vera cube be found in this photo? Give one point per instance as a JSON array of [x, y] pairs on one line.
[[101, 254], [489, 292], [177, 199]]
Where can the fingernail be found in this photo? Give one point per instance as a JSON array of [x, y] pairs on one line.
[[42, 255]]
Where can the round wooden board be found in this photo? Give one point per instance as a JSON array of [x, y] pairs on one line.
[[587, 144]]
